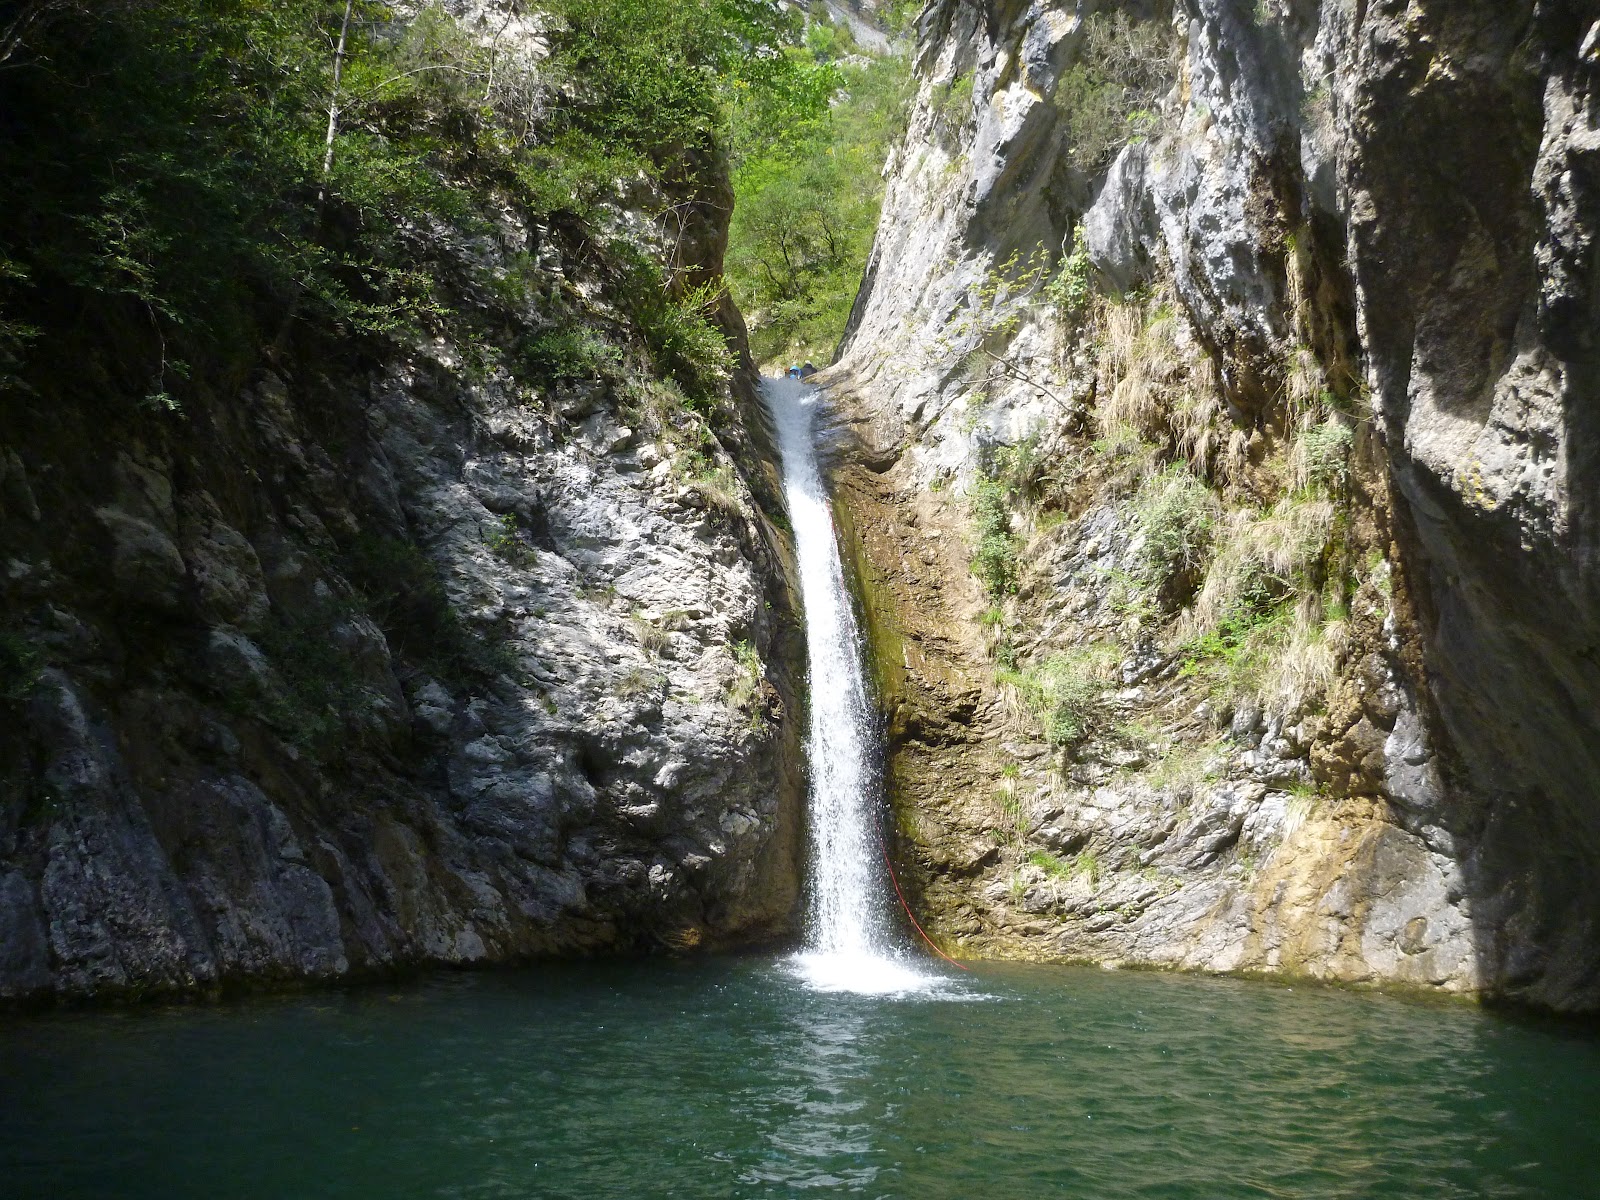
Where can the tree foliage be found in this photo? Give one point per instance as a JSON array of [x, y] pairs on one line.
[[1111, 94], [167, 171], [809, 185], [663, 78]]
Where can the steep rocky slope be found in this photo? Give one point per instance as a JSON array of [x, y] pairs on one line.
[[1266, 428], [369, 658]]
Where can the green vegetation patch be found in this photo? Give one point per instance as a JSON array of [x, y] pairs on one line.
[[1109, 96], [994, 558], [809, 188], [21, 666], [1065, 693], [197, 181], [1178, 515]]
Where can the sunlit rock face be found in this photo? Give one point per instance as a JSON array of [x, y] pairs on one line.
[[1406, 193]]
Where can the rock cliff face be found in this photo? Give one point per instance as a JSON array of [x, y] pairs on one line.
[[362, 663], [1367, 226]]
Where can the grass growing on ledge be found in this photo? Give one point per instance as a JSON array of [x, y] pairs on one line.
[[746, 685], [1052, 866], [1086, 863], [1064, 693]]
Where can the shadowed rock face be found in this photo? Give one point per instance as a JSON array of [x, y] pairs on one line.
[[1474, 211], [366, 664], [1415, 183], [465, 694]]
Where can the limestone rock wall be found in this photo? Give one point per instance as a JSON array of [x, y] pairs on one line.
[[1401, 194], [359, 663]]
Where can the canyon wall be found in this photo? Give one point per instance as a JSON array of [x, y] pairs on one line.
[[378, 654], [1329, 296]]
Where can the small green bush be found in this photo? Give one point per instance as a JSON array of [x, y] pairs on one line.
[[827, 41], [1320, 458], [653, 639], [1178, 515], [1087, 863], [1051, 865], [1021, 469], [746, 686], [1072, 703], [506, 540], [1237, 658], [323, 685], [994, 560], [1069, 289], [679, 329], [952, 101], [568, 354], [400, 588], [21, 664], [1065, 693]]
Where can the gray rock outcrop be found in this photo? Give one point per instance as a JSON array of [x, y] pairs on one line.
[[368, 662], [1402, 197]]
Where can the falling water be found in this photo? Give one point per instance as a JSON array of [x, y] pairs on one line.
[[848, 944]]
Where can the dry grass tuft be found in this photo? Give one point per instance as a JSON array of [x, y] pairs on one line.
[[1306, 665], [1195, 418], [1320, 455], [1159, 383], [1236, 457], [1260, 556], [1304, 385], [652, 638]]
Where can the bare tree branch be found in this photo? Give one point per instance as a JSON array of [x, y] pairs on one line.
[[35, 14]]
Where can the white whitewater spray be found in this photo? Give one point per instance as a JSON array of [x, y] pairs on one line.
[[848, 944]]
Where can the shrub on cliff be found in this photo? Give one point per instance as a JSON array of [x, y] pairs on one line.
[[21, 664], [1065, 692], [994, 558], [1178, 515], [1110, 95]]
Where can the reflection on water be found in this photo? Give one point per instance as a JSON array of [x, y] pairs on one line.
[[734, 1079], [813, 1115]]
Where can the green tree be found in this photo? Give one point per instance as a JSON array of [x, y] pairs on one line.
[[201, 177], [809, 187]]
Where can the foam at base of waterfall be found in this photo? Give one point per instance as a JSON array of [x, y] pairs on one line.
[[862, 974]]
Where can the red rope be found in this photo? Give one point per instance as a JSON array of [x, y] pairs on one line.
[[909, 915]]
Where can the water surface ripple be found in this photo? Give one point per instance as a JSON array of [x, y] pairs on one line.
[[732, 1079]]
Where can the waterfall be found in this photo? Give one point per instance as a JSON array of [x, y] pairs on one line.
[[848, 947]]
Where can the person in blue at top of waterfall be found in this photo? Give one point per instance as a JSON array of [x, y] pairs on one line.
[[794, 372]]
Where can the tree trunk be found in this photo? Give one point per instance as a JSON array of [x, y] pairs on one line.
[[333, 109]]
